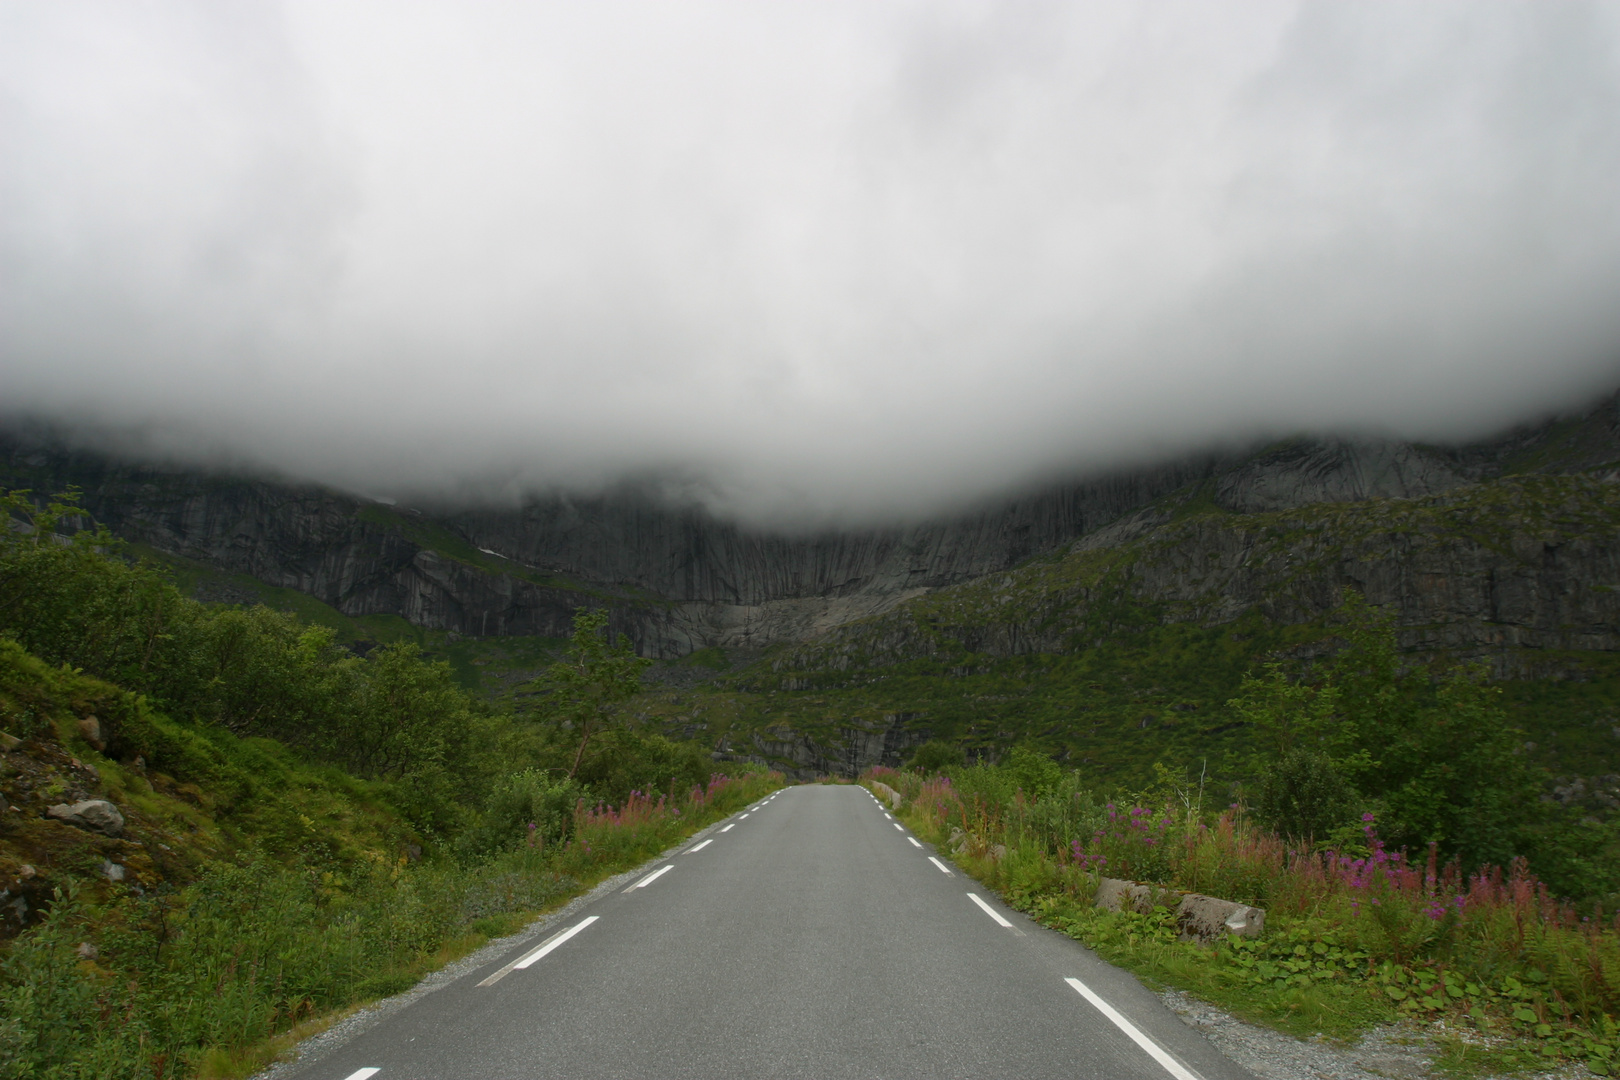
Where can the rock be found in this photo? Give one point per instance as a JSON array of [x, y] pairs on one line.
[[1113, 894], [90, 728], [111, 870], [8, 741], [94, 815], [87, 951], [887, 792], [1205, 918], [27, 872]]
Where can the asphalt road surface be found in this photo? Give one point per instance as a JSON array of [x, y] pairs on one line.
[[810, 936]]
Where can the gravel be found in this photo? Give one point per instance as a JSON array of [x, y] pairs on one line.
[[1394, 1052]]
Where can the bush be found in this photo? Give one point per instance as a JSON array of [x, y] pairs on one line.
[[1303, 797]]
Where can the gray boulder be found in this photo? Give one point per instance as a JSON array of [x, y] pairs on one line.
[[1204, 918], [1114, 894], [93, 815]]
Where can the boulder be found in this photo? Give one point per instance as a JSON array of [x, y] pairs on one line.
[[90, 728], [1114, 894], [1111, 893], [94, 815], [887, 792], [1205, 918]]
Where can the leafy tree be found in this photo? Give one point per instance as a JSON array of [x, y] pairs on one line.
[[1436, 749], [934, 756], [596, 674], [1432, 751], [1035, 774], [1304, 797]]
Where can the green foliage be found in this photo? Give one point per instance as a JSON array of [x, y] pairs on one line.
[[621, 761], [1348, 942], [279, 791], [934, 756], [1303, 797], [1432, 751], [597, 674], [530, 807]]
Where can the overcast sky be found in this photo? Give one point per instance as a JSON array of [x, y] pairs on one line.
[[812, 260]]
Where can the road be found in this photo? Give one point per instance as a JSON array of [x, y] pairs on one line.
[[809, 936]]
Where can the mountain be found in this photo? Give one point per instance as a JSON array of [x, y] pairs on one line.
[[844, 648]]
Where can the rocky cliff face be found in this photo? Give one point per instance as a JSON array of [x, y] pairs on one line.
[[675, 578], [678, 578], [1518, 571]]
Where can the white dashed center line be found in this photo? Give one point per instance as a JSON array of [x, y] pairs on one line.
[[1154, 1050], [988, 910], [741, 816], [899, 826], [887, 816], [943, 868], [728, 828], [652, 877], [362, 1074], [532, 955], [913, 840], [701, 846]]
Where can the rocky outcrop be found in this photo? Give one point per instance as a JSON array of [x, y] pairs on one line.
[[92, 815], [675, 578], [1334, 471], [846, 750], [1507, 571]]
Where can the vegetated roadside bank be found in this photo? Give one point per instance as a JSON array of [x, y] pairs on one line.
[[1377, 762], [218, 825], [1351, 941]]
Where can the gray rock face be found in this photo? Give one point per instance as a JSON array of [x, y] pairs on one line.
[[677, 577], [848, 751], [1337, 471], [92, 815]]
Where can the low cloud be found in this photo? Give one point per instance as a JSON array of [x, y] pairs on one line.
[[810, 262]]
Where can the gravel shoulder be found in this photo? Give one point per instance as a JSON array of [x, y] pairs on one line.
[[1392, 1052]]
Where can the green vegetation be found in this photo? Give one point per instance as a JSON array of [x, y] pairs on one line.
[[1358, 768], [305, 828], [1355, 935]]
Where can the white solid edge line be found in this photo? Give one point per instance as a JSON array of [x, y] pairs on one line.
[[701, 846], [654, 876], [939, 864], [362, 1074], [728, 828], [913, 840], [1155, 1051], [990, 911]]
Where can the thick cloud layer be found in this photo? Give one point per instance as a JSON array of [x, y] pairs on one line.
[[807, 260]]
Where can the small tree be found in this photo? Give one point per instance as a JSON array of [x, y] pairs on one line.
[[596, 674]]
